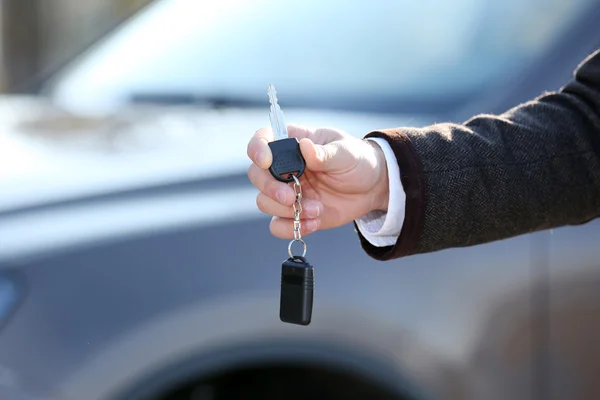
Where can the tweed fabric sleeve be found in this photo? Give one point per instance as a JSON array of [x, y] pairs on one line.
[[535, 167]]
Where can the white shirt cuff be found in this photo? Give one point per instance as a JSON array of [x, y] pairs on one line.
[[378, 227]]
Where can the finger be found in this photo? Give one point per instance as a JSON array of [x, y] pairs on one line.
[[283, 228], [277, 191], [332, 157], [299, 131], [310, 208], [258, 148]]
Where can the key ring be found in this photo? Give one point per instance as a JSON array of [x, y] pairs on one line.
[[290, 247], [297, 210]]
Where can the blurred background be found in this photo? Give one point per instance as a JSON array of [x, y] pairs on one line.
[[39, 36], [134, 263], [464, 46]]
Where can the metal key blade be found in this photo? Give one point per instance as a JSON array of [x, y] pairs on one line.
[[276, 116]]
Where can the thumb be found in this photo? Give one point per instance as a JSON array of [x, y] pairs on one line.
[[324, 158]]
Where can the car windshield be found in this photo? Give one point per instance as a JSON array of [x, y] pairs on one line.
[[346, 54]]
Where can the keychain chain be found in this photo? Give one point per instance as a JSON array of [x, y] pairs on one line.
[[297, 275], [297, 209], [297, 225]]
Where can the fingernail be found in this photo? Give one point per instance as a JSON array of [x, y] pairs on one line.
[[311, 225], [312, 210], [320, 153], [280, 195]]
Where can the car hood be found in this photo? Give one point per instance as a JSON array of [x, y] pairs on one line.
[[49, 154]]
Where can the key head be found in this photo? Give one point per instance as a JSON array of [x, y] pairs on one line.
[[287, 160], [297, 287]]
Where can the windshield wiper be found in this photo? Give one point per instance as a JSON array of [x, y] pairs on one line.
[[190, 98], [384, 104]]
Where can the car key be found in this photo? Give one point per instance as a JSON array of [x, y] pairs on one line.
[[297, 275], [287, 158]]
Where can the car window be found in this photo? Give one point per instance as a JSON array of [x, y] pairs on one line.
[[337, 53]]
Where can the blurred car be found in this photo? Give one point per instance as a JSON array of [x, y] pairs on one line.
[[134, 263]]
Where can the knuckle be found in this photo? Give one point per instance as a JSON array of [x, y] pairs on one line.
[[249, 147], [278, 228], [271, 189], [252, 147], [262, 131], [273, 227], [261, 203], [251, 170], [254, 175]]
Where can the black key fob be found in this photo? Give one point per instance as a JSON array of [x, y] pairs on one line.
[[287, 159], [297, 287]]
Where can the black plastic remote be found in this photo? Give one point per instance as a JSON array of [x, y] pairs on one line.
[[287, 159], [297, 288]]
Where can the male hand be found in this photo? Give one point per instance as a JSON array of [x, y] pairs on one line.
[[344, 179]]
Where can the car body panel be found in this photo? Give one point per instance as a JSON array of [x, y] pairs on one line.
[[177, 291]]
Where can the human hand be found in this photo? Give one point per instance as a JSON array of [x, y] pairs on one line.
[[344, 179]]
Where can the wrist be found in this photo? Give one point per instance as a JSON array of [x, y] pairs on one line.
[[381, 191]]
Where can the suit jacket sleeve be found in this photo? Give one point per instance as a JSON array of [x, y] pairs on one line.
[[535, 167]]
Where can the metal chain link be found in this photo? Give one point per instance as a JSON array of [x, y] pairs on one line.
[[297, 210], [297, 224]]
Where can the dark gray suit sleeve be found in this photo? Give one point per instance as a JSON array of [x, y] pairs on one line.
[[535, 167]]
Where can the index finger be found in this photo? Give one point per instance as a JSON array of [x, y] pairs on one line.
[[258, 147]]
